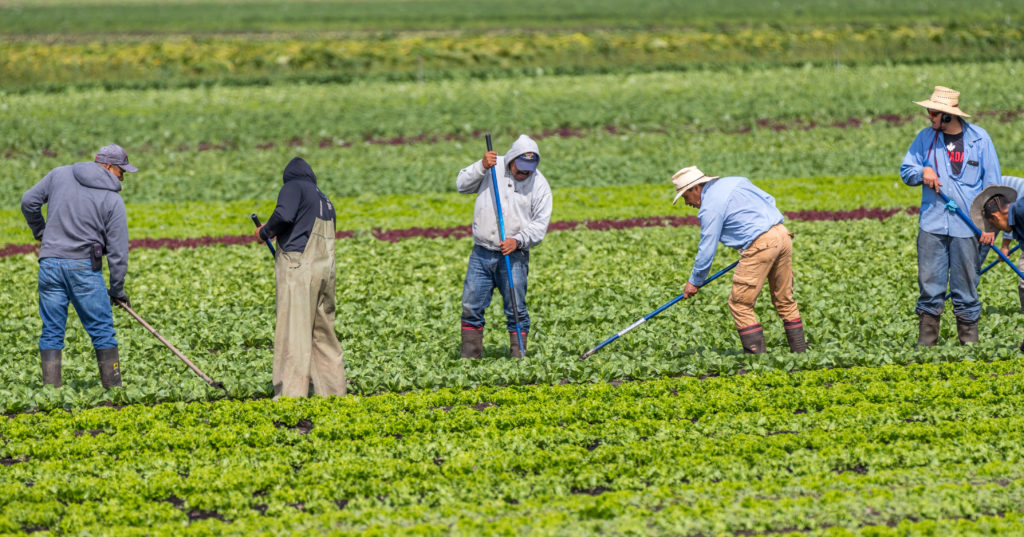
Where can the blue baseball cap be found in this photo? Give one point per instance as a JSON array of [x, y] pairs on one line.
[[527, 162]]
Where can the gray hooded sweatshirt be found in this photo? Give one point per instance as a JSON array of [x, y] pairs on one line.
[[83, 208], [525, 205]]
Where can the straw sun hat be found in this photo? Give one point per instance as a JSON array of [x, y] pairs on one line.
[[687, 178], [945, 100]]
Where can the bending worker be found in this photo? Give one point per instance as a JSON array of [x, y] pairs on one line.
[[86, 220], [958, 159], [306, 349], [526, 207], [740, 215], [999, 208]]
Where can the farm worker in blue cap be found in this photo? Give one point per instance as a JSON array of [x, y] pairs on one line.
[[86, 220], [526, 207], [740, 215], [306, 349], [958, 159]]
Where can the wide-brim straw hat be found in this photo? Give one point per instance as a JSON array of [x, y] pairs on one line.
[[687, 178], [945, 100], [978, 205]]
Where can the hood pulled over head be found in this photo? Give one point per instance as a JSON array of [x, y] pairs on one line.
[[299, 169], [524, 144], [92, 175]]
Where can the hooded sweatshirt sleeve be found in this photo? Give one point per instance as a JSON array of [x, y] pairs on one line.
[[32, 205], [468, 181], [289, 200], [117, 247], [540, 216]]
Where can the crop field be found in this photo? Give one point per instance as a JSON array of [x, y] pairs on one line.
[[671, 430]]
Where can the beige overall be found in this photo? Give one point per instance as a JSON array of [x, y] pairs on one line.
[[306, 349]]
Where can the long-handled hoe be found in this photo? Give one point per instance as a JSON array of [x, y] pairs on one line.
[[508, 265], [178, 353], [645, 318], [952, 206]]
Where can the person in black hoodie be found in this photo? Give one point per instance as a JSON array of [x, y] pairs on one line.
[[306, 349], [85, 221]]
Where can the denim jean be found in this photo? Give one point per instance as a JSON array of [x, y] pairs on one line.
[[485, 272], [73, 280], [942, 259]]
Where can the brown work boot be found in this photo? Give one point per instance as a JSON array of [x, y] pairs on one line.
[[472, 342], [966, 332], [795, 335], [927, 330], [110, 367], [513, 345], [51, 366], [752, 339]]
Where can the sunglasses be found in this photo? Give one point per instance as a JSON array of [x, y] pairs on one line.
[[933, 113]]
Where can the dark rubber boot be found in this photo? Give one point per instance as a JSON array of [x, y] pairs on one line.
[[472, 343], [110, 367], [513, 345], [966, 332], [51, 366], [795, 335], [752, 339], [1020, 293], [927, 330]]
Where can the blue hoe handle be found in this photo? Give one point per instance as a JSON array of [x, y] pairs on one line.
[[645, 318], [508, 264]]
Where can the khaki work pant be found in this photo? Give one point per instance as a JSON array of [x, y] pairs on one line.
[[306, 350], [769, 257]]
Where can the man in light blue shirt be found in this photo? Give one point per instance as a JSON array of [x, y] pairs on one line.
[[739, 215], [959, 159]]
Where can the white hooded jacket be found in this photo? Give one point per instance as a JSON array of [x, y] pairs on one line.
[[525, 205]]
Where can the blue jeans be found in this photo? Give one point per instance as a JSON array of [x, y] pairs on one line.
[[485, 272], [64, 280], [942, 259]]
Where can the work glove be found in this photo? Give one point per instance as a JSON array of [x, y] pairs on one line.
[[114, 300]]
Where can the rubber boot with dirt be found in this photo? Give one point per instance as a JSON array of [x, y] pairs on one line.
[[110, 367], [513, 345], [966, 332], [752, 339], [472, 342], [927, 330], [795, 335], [51, 366]]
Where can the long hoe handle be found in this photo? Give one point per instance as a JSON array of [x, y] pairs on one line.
[[256, 220], [508, 264], [647, 317], [178, 353]]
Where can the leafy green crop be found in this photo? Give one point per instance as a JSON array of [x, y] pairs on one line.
[[931, 449]]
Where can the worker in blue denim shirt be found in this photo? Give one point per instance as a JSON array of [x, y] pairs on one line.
[[958, 159]]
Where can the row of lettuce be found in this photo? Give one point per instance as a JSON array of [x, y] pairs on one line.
[[399, 308], [880, 451], [186, 60]]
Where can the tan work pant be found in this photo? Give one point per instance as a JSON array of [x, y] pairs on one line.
[[769, 257], [305, 346]]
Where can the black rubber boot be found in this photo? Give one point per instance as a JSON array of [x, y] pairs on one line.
[[927, 330], [966, 332], [795, 335], [1020, 293], [51, 366], [110, 367], [752, 339], [513, 345], [472, 343]]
